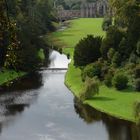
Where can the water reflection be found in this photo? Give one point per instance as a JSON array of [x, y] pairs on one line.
[[30, 81], [40, 107], [13, 102], [86, 112], [117, 129]]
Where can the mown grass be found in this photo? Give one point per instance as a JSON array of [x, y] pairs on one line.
[[119, 104], [78, 29], [41, 54], [9, 75]]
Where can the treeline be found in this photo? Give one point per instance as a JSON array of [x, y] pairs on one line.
[[71, 4], [22, 25], [115, 59]]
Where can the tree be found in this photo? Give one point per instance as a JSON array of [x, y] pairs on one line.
[[120, 81], [127, 11], [87, 50], [22, 27], [4, 33], [91, 89], [112, 40], [106, 23]]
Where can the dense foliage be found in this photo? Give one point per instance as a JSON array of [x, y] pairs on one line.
[[91, 88], [71, 4], [87, 50], [23, 23], [119, 50], [120, 81]]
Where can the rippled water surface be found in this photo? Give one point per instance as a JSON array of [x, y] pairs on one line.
[[40, 107]]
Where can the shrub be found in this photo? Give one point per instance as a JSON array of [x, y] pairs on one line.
[[123, 49], [92, 70], [112, 40], [137, 111], [108, 80], [138, 48], [106, 23], [116, 60], [87, 50], [110, 54], [137, 84], [120, 81], [137, 72], [91, 89], [68, 56]]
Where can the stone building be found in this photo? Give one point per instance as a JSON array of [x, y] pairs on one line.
[[87, 10], [95, 9]]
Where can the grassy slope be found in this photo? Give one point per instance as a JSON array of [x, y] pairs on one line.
[[41, 54], [9, 75], [113, 102], [78, 29], [110, 101]]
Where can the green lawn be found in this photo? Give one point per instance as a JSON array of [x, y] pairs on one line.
[[9, 75], [78, 29], [41, 54], [116, 103], [110, 101]]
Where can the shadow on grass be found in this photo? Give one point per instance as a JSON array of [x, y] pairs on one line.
[[102, 98]]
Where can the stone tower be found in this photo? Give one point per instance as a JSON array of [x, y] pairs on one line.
[[94, 9]]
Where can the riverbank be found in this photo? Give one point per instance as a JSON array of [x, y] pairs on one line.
[[7, 75], [119, 104]]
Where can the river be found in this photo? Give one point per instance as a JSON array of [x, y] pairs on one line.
[[40, 107]]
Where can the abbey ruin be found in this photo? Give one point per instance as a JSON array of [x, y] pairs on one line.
[[87, 10]]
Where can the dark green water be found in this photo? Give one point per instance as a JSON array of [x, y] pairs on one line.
[[40, 107]]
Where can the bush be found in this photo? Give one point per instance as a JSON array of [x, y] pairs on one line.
[[137, 111], [108, 80], [137, 72], [112, 40], [106, 23], [110, 54], [137, 84], [116, 60], [138, 48], [87, 50], [120, 81], [92, 70], [91, 89], [28, 59]]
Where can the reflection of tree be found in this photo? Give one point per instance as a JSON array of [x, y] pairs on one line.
[[135, 131], [13, 102], [121, 130], [30, 81], [116, 129], [88, 114], [15, 108]]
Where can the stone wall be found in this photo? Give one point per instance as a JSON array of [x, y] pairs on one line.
[[87, 10], [68, 14]]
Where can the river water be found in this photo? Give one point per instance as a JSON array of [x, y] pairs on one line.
[[40, 107]]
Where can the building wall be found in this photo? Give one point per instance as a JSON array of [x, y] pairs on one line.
[[88, 10]]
